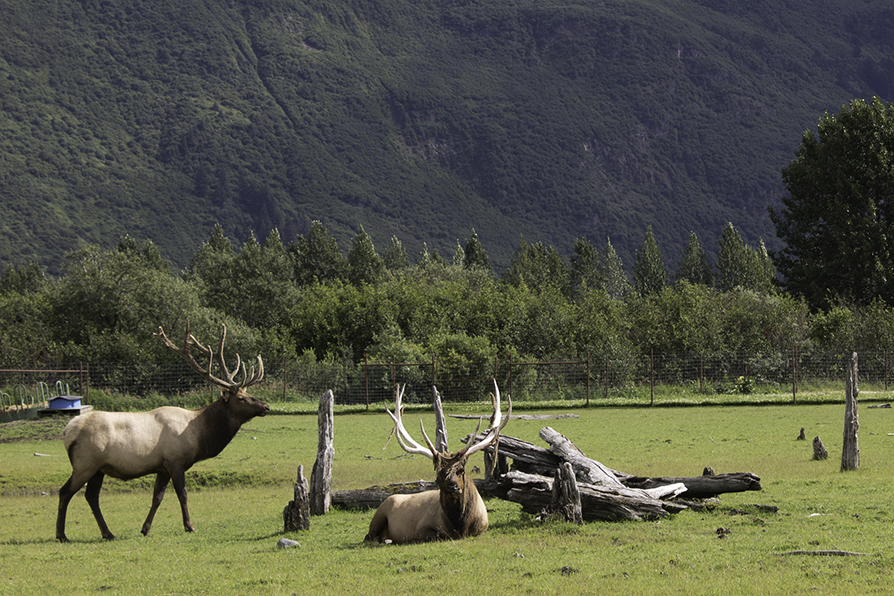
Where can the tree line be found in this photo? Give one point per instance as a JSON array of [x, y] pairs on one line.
[[309, 299]]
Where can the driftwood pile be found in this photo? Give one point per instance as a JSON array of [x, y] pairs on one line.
[[563, 481], [605, 494]]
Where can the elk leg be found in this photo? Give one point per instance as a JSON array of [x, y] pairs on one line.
[[178, 477], [94, 485], [158, 494], [68, 490]]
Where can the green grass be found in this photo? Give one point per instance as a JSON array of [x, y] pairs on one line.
[[236, 501]]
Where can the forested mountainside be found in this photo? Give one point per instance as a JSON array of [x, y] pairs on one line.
[[418, 119]]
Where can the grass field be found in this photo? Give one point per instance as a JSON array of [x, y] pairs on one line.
[[236, 501]]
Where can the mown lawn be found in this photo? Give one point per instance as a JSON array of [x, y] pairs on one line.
[[237, 499]]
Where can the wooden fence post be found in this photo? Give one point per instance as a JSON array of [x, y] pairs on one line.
[[321, 477], [440, 421], [850, 451]]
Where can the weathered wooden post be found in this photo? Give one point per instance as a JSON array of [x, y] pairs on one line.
[[440, 421], [321, 477], [850, 451], [566, 495], [819, 450], [296, 515]]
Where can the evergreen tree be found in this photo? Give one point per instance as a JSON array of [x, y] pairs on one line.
[[617, 284], [694, 266], [212, 267], [317, 256], [741, 266], [475, 256], [365, 266], [585, 270], [459, 255], [395, 257], [649, 273], [538, 267]]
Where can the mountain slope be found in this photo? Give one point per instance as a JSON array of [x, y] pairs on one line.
[[416, 119]]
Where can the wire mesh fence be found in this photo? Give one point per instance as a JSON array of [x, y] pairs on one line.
[[586, 379]]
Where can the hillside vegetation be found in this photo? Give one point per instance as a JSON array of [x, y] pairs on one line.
[[421, 120]]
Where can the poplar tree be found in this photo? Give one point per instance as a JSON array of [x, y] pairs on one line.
[[694, 266], [365, 266], [649, 273], [617, 284]]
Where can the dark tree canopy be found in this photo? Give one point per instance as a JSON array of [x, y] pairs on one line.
[[837, 219]]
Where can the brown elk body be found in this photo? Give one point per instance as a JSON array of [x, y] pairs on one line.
[[455, 510], [166, 441]]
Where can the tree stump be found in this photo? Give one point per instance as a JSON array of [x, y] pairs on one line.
[[850, 450], [801, 437], [321, 477], [819, 450], [566, 496], [296, 515]]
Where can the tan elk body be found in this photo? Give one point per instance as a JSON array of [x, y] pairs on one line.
[[455, 510], [166, 441]]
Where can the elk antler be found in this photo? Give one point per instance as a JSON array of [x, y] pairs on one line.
[[256, 375], [403, 437], [496, 425], [411, 446]]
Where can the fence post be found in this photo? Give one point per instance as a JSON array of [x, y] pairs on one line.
[[606, 377], [794, 377], [510, 374], [701, 372], [366, 378], [588, 379], [285, 376], [652, 376]]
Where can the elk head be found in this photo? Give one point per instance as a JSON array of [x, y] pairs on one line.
[[232, 391], [458, 493]]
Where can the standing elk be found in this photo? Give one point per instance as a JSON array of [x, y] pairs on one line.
[[166, 441], [455, 510]]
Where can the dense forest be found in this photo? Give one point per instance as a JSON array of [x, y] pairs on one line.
[[311, 301], [421, 120]]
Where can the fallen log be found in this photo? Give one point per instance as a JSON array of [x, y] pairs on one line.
[[534, 493], [701, 487], [372, 497], [605, 494], [586, 469]]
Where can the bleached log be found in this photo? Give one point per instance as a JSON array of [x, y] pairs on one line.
[[321, 476], [586, 469], [701, 487], [534, 493]]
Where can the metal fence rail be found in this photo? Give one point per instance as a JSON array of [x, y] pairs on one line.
[[588, 378]]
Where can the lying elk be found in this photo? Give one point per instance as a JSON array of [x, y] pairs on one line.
[[166, 441], [455, 510]]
